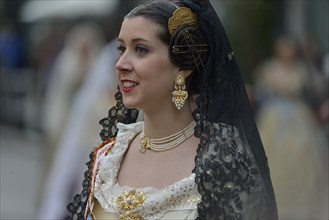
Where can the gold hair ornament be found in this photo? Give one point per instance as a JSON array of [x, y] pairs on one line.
[[179, 95], [182, 16]]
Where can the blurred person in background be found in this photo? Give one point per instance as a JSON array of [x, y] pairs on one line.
[[11, 46], [318, 79], [293, 140], [13, 77], [82, 45], [323, 111], [80, 132], [46, 41], [271, 77], [70, 74]]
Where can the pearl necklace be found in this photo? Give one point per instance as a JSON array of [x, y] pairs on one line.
[[166, 143]]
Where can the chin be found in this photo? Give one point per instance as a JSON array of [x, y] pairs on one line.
[[129, 105]]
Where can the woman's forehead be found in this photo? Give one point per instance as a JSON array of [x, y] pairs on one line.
[[139, 27]]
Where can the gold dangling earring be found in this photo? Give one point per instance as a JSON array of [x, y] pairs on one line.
[[179, 94]]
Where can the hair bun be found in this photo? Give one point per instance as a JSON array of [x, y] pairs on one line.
[[188, 48]]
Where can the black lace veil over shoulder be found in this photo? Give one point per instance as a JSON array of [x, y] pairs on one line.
[[231, 167]]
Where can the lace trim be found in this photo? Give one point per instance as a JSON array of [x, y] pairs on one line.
[[111, 163], [79, 208], [117, 114]]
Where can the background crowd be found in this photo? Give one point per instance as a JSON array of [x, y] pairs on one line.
[[57, 81]]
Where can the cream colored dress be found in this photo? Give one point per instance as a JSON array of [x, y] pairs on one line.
[[295, 146], [177, 201]]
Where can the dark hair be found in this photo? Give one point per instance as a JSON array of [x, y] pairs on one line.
[[159, 12]]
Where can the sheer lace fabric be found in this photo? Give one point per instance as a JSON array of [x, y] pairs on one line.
[[180, 198], [230, 177]]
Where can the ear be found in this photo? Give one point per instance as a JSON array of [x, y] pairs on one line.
[[185, 73]]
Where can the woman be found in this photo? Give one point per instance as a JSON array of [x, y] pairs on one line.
[[197, 153], [291, 133]]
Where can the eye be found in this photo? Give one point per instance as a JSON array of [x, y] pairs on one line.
[[141, 50], [121, 49]]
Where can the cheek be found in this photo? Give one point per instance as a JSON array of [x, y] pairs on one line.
[[117, 74], [165, 82], [159, 72]]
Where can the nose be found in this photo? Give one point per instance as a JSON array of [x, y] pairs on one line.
[[123, 64]]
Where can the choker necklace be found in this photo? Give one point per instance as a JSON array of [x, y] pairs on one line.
[[166, 143]]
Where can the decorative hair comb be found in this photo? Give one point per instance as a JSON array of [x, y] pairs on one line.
[[188, 46], [182, 16]]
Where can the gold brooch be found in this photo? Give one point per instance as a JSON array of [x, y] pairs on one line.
[[182, 16], [127, 202]]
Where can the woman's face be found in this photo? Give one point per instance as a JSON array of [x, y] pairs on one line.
[[144, 70]]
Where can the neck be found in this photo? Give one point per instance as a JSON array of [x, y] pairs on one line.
[[166, 121]]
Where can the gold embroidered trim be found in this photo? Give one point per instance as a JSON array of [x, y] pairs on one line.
[[91, 174]]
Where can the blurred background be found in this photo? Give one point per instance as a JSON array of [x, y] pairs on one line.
[[57, 81]]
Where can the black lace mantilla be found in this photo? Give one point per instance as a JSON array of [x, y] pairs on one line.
[[77, 208], [226, 173], [118, 113]]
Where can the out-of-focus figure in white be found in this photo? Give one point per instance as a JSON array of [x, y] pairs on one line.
[[79, 135], [82, 45], [295, 145]]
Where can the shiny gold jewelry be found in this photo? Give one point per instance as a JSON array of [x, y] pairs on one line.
[[145, 144], [127, 202], [179, 95], [182, 16], [166, 143], [230, 55]]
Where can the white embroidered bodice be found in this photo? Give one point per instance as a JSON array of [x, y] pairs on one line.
[[177, 201]]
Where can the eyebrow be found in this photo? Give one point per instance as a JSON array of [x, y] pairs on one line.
[[135, 39]]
